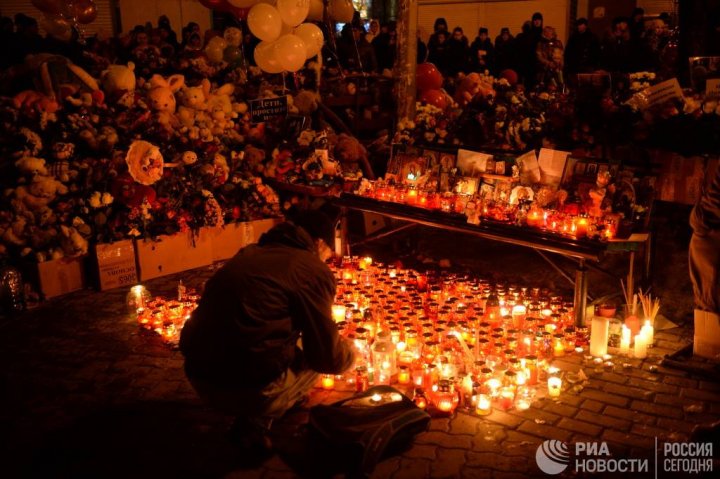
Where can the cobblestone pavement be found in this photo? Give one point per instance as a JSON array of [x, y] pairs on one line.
[[84, 393]]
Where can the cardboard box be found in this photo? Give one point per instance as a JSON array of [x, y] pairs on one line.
[[229, 239], [707, 335], [61, 276], [116, 264], [173, 254]]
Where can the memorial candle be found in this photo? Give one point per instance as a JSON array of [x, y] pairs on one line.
[[554, 386], [328, 381], [625, 340]]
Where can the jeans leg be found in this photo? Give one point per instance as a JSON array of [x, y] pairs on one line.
[[289, 389]]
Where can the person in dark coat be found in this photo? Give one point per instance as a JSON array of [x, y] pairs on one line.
[[438, 53], [384, 46], [458, 53], [615, 53], [704, 251], [263, 329], [582, 53], [504, 50], [440, 26], [357, 54], [637, 24], [523, 61], [482, 52]]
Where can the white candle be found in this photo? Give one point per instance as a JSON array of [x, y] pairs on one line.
[[625, 340], [599, 336], [640, 346], [649, 332], [338, 312], [483, 405], [554, 386]]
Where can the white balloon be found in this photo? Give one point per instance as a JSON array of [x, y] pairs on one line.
[[312, 36], [242, 3], [265, 57], [264, 22], [293, 12], [290, 52], [341, 10], [316, 11]]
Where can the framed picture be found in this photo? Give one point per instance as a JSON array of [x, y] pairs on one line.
[[466, 185], [591, 170], [447, 162], [406, 164]]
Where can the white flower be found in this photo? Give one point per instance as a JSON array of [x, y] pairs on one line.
[[133, 232], [107, 199], [95, 200]]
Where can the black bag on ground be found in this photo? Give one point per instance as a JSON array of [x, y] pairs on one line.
[[363, 430]]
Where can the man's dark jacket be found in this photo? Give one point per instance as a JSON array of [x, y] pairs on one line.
[[254, 309]]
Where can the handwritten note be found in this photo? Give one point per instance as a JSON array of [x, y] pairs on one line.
[[552, 165], [529, 168]]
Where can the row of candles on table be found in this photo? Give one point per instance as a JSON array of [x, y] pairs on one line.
[[564, 223], [166, 317], [453, 339]]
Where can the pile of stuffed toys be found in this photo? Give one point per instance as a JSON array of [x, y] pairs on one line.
[[101, 159]]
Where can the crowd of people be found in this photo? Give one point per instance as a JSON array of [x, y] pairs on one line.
[[537, 55]]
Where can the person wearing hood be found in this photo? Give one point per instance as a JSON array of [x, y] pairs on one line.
[[438, 42], [582, 53], [482, 52], [504, 50], [263, 329]]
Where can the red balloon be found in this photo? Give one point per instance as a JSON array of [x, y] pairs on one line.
[[83, 11], [510, 76], [213, 4], [428, 77], [227, 7], [434, 97]]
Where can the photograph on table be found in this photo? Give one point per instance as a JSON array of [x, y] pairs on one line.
[[473, 163], [407, 165], [466, 185]]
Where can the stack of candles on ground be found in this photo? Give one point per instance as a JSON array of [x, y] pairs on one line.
[[165, 317], [568, 223], [454, 339]]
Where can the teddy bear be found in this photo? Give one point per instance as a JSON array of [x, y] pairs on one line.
[[118, 82], [72, 242], [254, 158], [15, 233], [306, 102], [30, 143], [193, 101], [473, 84], [161, 97], [352, 155], [103, 139], [221, 109], [40, 192], [31, 166]]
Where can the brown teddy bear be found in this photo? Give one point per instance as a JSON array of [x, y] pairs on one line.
[[352, 155]]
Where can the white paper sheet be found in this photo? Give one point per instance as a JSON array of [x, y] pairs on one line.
[[529, 168], [472, 163], [552, 165]]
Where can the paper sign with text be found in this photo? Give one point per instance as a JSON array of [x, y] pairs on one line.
[[264, 109]]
